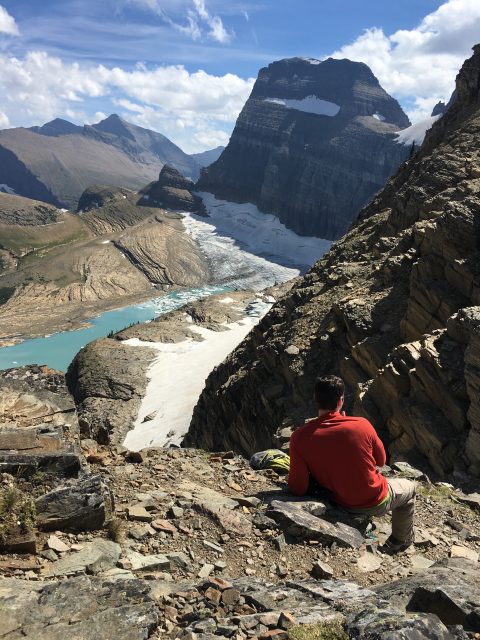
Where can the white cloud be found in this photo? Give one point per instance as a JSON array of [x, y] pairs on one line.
[[7, 23], [217, 30], [4, 121], [197, 19], [169, 99], [420, 65]]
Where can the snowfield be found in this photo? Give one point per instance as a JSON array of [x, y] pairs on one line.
[[245, 249], [416, 133], [250, 249], [177, 377], [310, 104]]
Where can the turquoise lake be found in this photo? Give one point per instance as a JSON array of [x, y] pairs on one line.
[[59, 349]]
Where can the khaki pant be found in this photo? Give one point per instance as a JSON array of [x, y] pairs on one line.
[[401, 502]]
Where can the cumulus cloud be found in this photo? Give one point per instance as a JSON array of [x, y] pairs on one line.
[[7, 23], [419, 65], [190, 108]]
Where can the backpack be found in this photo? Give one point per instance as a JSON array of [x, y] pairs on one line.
[[274, 459]]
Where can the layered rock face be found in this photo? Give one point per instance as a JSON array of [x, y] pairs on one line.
[[312, 145], [115, 252], [392, 308]]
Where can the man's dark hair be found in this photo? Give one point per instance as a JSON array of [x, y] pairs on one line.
[[328, 391]]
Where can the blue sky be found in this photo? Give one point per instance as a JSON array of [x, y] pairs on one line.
[[185, 67]]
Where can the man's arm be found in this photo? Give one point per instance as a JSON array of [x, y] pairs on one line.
[[378, 450], [298, 477]]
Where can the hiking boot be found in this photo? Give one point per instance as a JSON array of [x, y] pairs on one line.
[[392, 545]]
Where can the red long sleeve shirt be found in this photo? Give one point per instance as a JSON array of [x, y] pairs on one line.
[[341, 453]]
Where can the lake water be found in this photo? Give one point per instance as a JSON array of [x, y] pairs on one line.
[[59, 349]]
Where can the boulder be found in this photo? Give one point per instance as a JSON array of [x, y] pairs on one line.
[[300, 524], [80, 607], [449, 589], [172, 191], [385, 624], [95, 557], [83, 505]]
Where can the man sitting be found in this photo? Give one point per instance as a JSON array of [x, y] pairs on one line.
[[341, 454]]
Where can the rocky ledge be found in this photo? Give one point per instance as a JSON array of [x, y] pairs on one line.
[[172, 191], [99, 542], [201, 547]]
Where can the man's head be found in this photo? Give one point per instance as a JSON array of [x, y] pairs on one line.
[[329, 391]]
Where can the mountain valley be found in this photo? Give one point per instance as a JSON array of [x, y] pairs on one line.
[[164, 316], [58, 161]]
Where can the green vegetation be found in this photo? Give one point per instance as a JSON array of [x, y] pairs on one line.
[[112, 334], [17, 512], [6, 293], [435, 492], [33, 242], [332, 630]]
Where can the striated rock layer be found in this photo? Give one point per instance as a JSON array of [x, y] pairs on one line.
[[394, 308], [314, 142], [112, 254]]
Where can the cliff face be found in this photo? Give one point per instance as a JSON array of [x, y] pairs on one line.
[[312, 145], [392, 308]]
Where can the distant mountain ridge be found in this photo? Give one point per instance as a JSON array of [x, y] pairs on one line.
[[57, 161], [205, 158], [314, 142]]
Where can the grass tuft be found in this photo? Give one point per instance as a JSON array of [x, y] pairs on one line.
[[332, 630]]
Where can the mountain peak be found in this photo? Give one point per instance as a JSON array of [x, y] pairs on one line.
[[351, 86], [57, 127], [113, 124]]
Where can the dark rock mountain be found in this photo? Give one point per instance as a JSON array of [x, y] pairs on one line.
[[172, 191], [312, 145], [439, 109], [205, 158], [56, 162], [57, 127], [140, 144], [392, 308]]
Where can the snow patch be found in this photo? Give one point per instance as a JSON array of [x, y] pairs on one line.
[[6, 189], [227, 300], [378, 116], [250, 249], [105, 242], [171, 395], [416, 133], [310, 104], [311, 60]]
